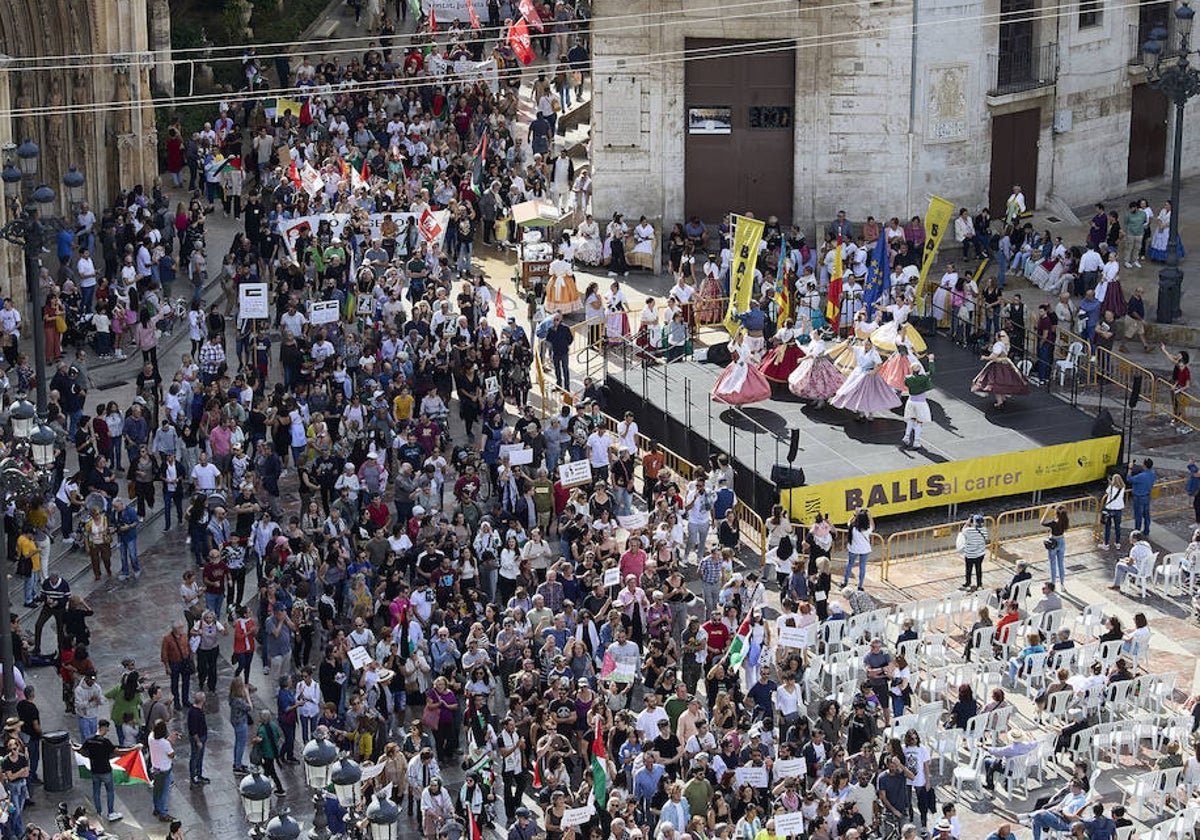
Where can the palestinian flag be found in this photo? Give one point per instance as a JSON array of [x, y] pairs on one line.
[[294, 174], [128, 768], [414, 6], [608, 665], [432, 20], [599, 772], [473, 825], [350, 308], [741, 644]]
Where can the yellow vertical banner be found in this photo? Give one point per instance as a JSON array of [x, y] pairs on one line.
[[747, 234], [937, 219]]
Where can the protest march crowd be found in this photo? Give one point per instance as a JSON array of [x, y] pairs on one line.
[[432, 573]]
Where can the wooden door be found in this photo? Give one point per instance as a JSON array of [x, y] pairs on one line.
[[1147, 134], [1014, 158], [738, 122]]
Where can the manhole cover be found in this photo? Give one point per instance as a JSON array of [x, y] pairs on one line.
[[1053, 219]]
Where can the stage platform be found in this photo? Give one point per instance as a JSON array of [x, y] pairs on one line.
[[672, 404]]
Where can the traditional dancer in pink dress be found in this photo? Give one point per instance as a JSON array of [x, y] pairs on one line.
[[741, 382], [815, 377], [897, 367]]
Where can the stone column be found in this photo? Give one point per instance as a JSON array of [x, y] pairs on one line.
[[11, 259], [160, 43]]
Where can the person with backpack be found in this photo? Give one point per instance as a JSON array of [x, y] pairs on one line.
[[126, 696], [265, 747]]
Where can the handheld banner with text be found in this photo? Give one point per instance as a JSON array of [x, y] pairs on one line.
[[747, 234], [937, 219], [954, 482], [254, 301], [323, 311], [575, 473]]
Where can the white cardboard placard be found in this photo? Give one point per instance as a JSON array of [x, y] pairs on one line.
[[575, 473], [254, 301]]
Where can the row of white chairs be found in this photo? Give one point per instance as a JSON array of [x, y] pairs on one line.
[[1152, 789], [1181, 826]]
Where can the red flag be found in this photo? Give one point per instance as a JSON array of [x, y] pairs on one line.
[[529, 12], [518, 39], [500, 306], [293, 175], [366, 171], [432, 20], [474, 17], [537, 774], [305, 113]]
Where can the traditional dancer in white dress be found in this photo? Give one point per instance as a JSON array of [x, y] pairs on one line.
[[616, 318], [1160, 238], [864, 392], [815, 377], [941, 297], [587, 242], [741, 382]]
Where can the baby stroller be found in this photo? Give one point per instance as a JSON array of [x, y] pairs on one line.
[[80, 331]]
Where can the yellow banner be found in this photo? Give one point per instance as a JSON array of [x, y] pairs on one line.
[[747, 234], [937, 219], [954, 482]]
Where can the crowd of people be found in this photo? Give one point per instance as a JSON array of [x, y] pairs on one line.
[[374, 512]]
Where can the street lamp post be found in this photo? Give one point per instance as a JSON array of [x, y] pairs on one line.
[[34, 234], [1169, 71], [319, 756], [255, 791], [22, 471]]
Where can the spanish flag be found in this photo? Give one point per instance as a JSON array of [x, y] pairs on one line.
[[833, 298]]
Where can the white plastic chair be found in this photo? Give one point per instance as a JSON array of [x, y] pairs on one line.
[[1108, 653], [1020, 591], [1019, 769], [1143, 789], [1033, 671], [1051, 621], [1119, 698], [1089, 621], [1170, 573], [1070, 363], [1142, 575], [971, 773], [1067, 658], [1058, 707]]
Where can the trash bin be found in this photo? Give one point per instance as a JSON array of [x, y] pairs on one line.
[[1170, 282], [58, 763]]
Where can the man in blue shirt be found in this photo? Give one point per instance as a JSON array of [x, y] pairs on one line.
[[645, 781], [127, 520], [1061, 817], [1099, 826], [1141, 482]]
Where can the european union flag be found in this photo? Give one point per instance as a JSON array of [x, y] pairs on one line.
[[879, 276]]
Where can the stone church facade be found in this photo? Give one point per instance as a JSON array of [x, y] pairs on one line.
[[799, 109], [77, 78]]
